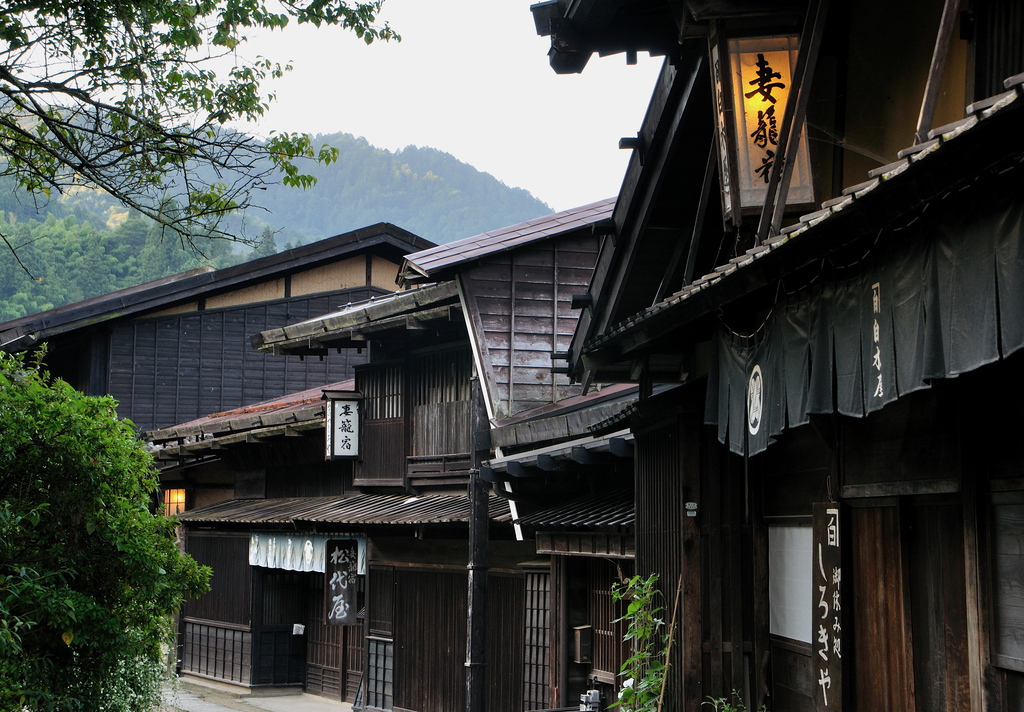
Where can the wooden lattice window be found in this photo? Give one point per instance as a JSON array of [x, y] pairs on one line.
[[536, 644], [380, 665]]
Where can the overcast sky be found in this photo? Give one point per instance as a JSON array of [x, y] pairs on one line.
[[470, 77]]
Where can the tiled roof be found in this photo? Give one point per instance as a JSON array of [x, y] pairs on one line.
[[426, 265], [921, 173], [364, 509], [605, 509], [302, 410]]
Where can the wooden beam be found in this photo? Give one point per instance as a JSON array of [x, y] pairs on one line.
[[550, 464], [669, 277], [793, 120], [931, 90]]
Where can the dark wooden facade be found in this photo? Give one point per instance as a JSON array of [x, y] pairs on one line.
[[501, 299], [178, 348], [520, 305], [172, 368], [836, 495]]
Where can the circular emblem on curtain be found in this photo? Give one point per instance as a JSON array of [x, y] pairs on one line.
[[755, 400]]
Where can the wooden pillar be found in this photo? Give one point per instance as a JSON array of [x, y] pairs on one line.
[[476, 628], [691, 605]]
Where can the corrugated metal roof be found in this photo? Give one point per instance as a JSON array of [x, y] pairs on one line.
[[362, 509], [426, 265], [605, 509]]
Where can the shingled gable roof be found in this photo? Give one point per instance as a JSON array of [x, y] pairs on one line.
[[383, 238], [439, 262], [988, 139]]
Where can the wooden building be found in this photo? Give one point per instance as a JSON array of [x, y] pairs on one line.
[[474, 342], [177, 348], [574, 498], [831, 284]]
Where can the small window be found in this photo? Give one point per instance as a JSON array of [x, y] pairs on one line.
[[174, 501], [789, 582]]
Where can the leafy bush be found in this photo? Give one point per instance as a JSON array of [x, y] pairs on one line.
[[89, 575]]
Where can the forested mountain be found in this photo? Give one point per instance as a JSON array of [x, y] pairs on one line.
[[426, 191], [84, 244]]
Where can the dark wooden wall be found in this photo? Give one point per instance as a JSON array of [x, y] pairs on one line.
[[230, 596], [520, 302], [217, 636], [383, 437], [334, 653], [416, 637], [170, 369], [506, 626], [430, 640], [666, 477]]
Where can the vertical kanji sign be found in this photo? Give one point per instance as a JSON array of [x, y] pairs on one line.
[[341, 426], [762, 79], [827, 617], [341, 565]]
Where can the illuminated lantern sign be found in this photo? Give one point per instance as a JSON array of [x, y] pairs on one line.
[[751, 100], [341, 425]]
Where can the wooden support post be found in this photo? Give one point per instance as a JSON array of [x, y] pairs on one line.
[[938, 67], [975, 544], [793, 120], [676, 260], [476, 628], [692, 638]]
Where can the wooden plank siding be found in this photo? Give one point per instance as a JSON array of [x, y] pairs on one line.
[[521, 302], [334, 653], [439, 401], [217, 640], [416, 640], [178, 367], [1007, 518], [229, 599], [430, 640], [669, 543], [382, 460]]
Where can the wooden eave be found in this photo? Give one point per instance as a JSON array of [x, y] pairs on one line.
[[673, 104], [561, 424], [989, 139], [618, 445], [433, 307], [580, 28]]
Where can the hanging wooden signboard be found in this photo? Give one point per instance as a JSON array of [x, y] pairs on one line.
[[827, 618], [341, 583]]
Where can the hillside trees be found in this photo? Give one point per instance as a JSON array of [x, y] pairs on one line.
[[88, 574], [134, 98]]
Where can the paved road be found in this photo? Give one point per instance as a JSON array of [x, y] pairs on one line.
[[185, 696]]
